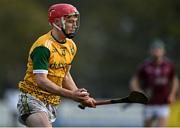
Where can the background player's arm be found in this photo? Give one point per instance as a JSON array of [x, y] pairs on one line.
[[135, 84], [174, 89]]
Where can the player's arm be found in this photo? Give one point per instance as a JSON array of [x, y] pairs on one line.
[[40, 57], [69, 84], [135, 84], [174, 89], [68, 81], [49, 86]]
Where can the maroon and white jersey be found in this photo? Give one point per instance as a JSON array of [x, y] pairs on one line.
[[156, 80]]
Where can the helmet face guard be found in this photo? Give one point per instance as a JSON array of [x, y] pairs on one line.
[[63, 12], [75, 27], [68, 35]]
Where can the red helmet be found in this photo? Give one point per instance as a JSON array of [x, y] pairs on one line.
[[60, 10]]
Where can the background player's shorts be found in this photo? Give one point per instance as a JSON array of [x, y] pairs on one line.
[[28, 104], [156, 111]]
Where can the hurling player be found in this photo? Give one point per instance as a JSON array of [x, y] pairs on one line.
[[48, 70]]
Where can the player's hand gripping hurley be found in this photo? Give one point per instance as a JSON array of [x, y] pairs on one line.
[[134, 97]]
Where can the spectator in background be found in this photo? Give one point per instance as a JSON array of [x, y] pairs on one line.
[[157, 77]]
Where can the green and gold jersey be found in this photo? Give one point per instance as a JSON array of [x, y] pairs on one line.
[[52, 58]]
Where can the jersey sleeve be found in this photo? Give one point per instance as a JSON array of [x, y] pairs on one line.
[[40, 58]]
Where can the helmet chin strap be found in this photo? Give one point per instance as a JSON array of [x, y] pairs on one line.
[[70, 36], [57, 27]]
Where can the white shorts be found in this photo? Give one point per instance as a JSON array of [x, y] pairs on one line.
[[156, 111], [28, 104]]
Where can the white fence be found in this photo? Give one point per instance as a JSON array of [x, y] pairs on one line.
[[106, 115], [70, 115]]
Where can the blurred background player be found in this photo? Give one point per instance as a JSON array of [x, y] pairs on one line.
[[48, 70], [157, 77]]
